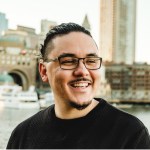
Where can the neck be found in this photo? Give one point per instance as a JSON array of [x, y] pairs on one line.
[[72, 113]]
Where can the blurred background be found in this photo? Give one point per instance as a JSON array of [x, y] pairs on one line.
[[121, 31]]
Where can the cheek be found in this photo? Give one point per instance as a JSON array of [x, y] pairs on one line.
[[96, 78], [96, 75], [58, 79]]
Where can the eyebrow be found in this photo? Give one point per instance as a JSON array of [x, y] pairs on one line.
[[92, 54], [73, 55], [67, 55]]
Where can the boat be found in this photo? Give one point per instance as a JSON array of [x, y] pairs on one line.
[[46, 99], [122, 106], [13, 96]]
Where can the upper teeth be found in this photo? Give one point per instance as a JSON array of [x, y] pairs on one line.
[[80, 84]]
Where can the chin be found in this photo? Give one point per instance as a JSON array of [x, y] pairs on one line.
[[80, 106]]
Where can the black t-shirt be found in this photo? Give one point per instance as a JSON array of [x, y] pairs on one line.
[[105, 127]]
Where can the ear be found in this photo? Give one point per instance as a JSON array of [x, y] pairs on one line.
[[43, 72]]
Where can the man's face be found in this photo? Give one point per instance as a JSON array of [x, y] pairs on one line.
[[77, 86]]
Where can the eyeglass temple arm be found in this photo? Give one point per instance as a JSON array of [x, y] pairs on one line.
[[50, 60]]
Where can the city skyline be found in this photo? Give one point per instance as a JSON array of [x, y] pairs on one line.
[[74, 11]]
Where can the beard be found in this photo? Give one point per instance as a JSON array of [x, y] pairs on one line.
[[80, 106]]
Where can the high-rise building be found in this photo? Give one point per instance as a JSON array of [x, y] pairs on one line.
[[3, 23], [117, 31], [46, 25]]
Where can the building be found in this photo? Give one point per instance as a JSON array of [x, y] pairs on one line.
[[3, 23], [6, 79], [86, 23], [31, 40], [24, 35], [117, 30], [17, 55], [129, 82], [46, 25], [18, 51]]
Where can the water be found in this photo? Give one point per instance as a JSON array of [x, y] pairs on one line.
[[141, 112], [9, 118]]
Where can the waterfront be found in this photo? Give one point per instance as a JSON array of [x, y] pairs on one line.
[[9, 118]]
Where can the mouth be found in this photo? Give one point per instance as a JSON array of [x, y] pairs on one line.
[[80, 83]]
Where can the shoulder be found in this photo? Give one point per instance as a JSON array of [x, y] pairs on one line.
[[36, 120], [30, 125], [119, 116], [125, 125]]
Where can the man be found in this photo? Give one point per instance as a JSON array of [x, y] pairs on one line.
[[70, 63]]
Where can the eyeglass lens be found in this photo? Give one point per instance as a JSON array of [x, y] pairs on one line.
[[72, 63]]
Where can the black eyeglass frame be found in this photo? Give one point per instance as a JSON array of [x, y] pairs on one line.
[[58, 59]]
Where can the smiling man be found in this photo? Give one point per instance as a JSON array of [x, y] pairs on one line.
[[70, 63], [72, 70]]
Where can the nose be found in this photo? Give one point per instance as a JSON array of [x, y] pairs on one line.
[[81, 70]]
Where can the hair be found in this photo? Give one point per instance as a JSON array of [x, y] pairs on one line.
[[60, 30]]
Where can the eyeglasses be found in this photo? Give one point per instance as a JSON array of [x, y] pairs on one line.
[[69, 63]]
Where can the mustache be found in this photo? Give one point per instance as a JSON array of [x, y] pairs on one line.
[[80, 79]]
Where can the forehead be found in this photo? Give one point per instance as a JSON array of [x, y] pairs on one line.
[[77, 43]]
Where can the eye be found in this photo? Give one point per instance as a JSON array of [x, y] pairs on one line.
[[91, 60], [68, 61]]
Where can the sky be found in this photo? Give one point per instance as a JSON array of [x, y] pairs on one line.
[[30, 12]]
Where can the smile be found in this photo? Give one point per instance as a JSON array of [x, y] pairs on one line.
[[80, 85]]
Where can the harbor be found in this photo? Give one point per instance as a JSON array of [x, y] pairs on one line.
[[12, 95]]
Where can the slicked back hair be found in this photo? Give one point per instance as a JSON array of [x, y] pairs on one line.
[[60, 30]]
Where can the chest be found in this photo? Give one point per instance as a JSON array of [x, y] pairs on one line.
[[85, 136]]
